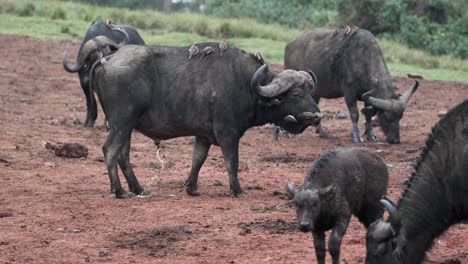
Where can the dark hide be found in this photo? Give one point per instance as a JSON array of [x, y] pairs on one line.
[[436, 198], [100, 28], [159, 92], [349, 66], [342, 183]]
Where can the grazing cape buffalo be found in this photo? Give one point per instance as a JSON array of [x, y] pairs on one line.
[[83, 66], [161, 93], [350, 64], [342, 183], [435, 199]]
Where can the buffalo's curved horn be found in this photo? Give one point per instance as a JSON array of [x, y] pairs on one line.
[[69, 69], [385, 104], [394, 217], [92, 45], [281, 83], [259, 77], [407, 95], [126, 37], [314, 78], [270, 90]]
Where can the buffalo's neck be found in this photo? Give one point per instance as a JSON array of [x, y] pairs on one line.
[[426, 206]]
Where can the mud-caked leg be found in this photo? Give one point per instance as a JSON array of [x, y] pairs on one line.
[[319, 244], [354, 113], [114, 143], [368, 112], [230, 149], [124, 163], [336, 236], [200, 152]]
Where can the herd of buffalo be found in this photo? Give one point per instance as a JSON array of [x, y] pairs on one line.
[[215, 92]]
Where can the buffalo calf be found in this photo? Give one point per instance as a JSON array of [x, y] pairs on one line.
[[343, 182]]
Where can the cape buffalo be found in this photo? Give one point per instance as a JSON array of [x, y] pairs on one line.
[[98, 28], [350, 64], [435, 199], [342, 183], [160, 93]]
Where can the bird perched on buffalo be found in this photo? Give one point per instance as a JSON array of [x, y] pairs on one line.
[[193, 50], [205, 51], [109, 22], [223, 45]]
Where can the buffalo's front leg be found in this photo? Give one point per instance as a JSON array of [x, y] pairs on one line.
[[124, 163], [200, 152], [320, 130], [354, 113], [368, 112], [336, 236], [319, 244], [230, 149]]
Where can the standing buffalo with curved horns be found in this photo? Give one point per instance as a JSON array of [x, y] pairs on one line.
[[351, 64], [114, 33], [435, 199], [159, 92]]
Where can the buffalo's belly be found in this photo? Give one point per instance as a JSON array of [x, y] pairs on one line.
[[166, 129]]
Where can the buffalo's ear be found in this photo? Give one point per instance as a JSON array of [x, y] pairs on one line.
[[290, 190], [328, 192]]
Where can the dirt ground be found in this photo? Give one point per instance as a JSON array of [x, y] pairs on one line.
[[57, 210]]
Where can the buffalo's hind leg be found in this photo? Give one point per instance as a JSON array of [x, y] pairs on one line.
[[112, 149], [91, 108], [200, 152], [124, 163]]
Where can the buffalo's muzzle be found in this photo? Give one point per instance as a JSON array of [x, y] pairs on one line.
[[311, 118], [304, 226]]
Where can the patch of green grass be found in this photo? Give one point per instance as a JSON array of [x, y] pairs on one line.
[[45, 20], [400, 69]]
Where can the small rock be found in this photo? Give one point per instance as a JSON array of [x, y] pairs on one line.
[[76, 231], [87, 259], [100, 159], [245, 231], [4, 243], [217, 183], [23, 226], [103, 252], [412, 150], [5, 214], [342, 115], [60, 229], [49, 164], [442, 113], [77, 122], [3, 159], [204, 248]]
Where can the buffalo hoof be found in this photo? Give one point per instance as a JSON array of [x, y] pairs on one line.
[[192, 192], [371, 137], [240, 194], [144, 194], [88, 123], [124, 195], [357, 139]]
